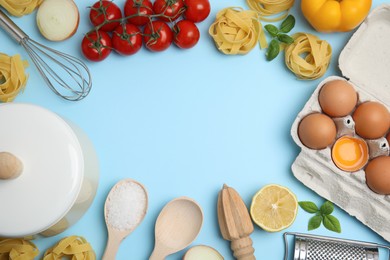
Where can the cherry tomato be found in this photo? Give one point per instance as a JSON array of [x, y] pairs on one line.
[[96, 46], [186, 34], [157, 36], [196, 10], [171, 9], [105, 10], [140, 9], [127, 39]]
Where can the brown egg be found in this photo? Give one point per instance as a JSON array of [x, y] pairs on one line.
[[372, 120], [378, 175], [337, 98], [317, 131]]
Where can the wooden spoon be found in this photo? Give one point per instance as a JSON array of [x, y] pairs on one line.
[[177, 226], [124, 210]]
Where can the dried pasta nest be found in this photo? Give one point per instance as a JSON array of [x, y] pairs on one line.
[[17, 249], [73, 247], [267, 8], [20, 7], [13, 77], [237, 31], [308, 57]]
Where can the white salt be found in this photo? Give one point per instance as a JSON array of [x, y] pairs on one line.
[[126, 206]]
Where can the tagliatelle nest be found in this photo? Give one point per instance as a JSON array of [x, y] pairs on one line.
[[20, 7], [267, 8], [13, 77], [73, 247], [20, 249], [237, 31], [308, 57]]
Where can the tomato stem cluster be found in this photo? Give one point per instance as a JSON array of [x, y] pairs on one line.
[[126, 37], [102, 9]]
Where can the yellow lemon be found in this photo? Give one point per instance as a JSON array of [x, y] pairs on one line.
[[274, 208]]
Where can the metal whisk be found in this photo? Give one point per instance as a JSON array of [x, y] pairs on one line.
[[74, 83]]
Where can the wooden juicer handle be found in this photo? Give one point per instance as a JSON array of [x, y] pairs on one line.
[[235, 223], [242, 248]]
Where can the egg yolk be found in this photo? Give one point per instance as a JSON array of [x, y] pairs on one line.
[[350, 154]]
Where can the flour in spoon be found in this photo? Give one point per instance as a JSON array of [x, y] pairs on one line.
[[125, 206]]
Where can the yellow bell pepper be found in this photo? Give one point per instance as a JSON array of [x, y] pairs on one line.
[[335, 15]]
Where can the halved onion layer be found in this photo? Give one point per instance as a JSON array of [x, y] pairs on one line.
[[58, 20]]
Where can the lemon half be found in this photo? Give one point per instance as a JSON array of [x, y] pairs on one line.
[[274, 208]]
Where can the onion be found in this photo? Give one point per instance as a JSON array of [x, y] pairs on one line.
[[58, 20], [202, 252]]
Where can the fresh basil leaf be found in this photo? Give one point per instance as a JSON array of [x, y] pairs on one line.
[[285, 38], [308, 206], [273, 50], [287, 24], [327, 208], [332, 223], [314, 222], [272, 30]]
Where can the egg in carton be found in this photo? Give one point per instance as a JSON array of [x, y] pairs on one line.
[[364, 63]]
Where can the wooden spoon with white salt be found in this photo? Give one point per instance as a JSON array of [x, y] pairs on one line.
[[124, 210]]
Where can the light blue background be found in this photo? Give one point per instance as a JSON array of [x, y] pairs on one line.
[[183, 123]]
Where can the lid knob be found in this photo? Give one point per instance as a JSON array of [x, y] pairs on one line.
[[10, 166]]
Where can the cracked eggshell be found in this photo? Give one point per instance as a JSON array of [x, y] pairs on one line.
[[364, 61]]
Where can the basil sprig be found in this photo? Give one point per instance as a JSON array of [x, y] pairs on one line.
[[322, 215], [278, 36]]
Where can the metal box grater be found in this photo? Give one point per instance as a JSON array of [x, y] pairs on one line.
[[312, 247]]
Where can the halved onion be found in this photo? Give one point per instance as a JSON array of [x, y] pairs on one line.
[[58, 20], [202, 252]]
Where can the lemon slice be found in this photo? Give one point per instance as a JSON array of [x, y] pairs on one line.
[[274, 208]]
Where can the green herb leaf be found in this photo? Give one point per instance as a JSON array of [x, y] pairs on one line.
[[332, 223], [287, 24], [327, 208], [308, 206], [273, 50], [314, 222], [272, 30], [285, 38]]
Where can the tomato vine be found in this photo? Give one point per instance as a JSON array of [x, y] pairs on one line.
[[142, 22]]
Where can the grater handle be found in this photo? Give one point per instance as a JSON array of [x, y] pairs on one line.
[[286, 244], [243, 249]]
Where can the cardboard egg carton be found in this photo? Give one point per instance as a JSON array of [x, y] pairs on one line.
[[365, 62]]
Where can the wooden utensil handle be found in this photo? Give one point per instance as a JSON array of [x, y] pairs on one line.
[[243, 249], [157, 255], [112, 247], [159, 252]]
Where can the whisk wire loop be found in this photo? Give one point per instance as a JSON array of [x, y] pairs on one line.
[[68, 76], [77, 72]]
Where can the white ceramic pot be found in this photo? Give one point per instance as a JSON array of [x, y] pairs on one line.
[[59, 175]]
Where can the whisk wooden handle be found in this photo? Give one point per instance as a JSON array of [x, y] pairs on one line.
[[11, 28], [243, 249]]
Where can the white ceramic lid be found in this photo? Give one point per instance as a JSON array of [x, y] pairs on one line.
[[53, 169], [365, 60]]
